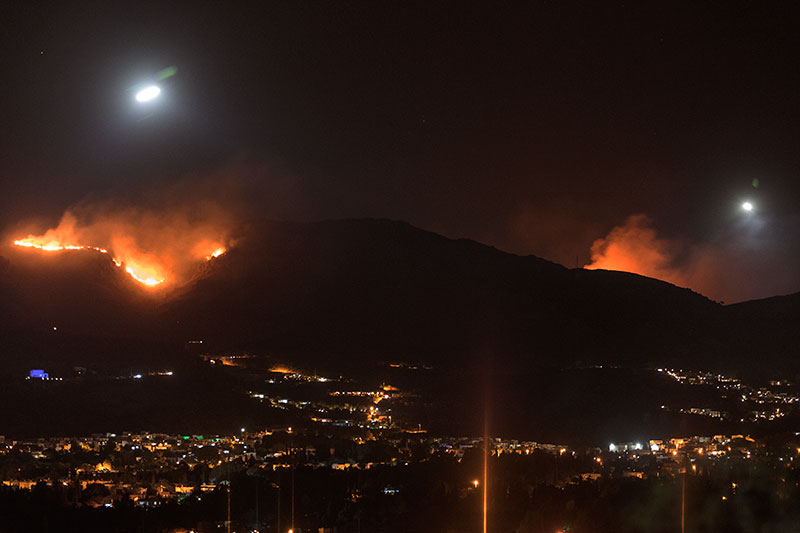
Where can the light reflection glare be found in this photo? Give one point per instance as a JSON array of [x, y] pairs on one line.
[[148, 93]]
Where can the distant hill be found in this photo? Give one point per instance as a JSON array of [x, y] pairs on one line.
[[361, 289], [354, 292], [765, 334]]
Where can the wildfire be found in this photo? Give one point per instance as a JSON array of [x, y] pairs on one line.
[[216, 253], [55, 247], [145, 269], [151, 281], [157, 237]]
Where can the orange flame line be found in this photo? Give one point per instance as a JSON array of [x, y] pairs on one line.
[[151, 282]]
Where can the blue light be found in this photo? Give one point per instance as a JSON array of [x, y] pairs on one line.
[[39, 374]]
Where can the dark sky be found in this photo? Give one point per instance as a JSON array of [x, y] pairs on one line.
[[536, 130]]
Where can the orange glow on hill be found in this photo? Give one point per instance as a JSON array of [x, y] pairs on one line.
[[619, 258], [158, 237], [146, 268], [635, 247], [282, 370], [53, 246]]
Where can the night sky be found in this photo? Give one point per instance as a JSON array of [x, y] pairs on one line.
[[536, 130]]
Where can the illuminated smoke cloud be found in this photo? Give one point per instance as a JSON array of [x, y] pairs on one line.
[[635, 247], [161, 244], [741, 264]]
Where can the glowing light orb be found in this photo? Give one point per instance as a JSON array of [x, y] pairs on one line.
[[149, 93], [747, 206]]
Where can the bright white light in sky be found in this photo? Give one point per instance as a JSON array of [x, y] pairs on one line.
[[747, 206], [148, 93]]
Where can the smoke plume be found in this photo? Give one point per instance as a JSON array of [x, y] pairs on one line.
[[745, 262], [160, 238]]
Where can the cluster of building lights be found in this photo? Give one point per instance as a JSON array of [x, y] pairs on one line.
[[779, 400]]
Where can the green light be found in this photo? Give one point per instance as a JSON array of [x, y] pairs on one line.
[[161, 75], [167, 72]]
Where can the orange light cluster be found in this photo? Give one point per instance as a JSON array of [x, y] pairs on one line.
[[282, 370]]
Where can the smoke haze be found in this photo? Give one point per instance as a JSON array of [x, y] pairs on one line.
[[741, 264], [161, 235]]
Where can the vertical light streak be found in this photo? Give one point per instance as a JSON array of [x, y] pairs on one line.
[[294, 465], [228, 523], [279, 501], [683, 502], [292, 498], [485, 468]]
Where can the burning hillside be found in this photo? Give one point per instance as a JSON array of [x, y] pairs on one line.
[[156, 249]]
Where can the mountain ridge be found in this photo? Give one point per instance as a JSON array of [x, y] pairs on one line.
[[360, 290]]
